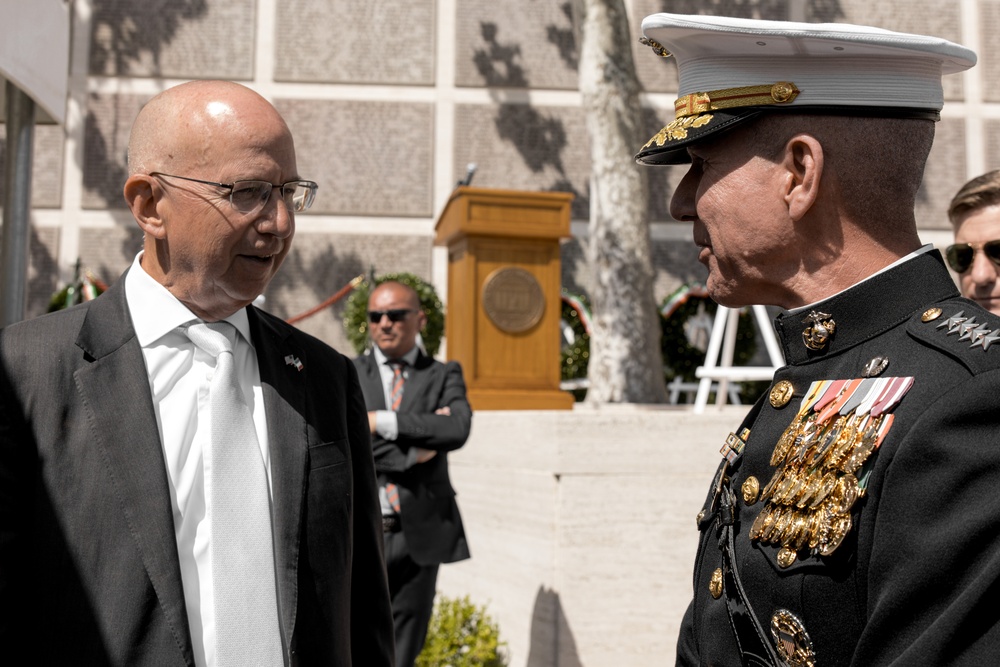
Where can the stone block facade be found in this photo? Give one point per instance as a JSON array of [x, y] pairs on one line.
[[389, 102]]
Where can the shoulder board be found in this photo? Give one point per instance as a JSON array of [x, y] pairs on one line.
[[962, 329]]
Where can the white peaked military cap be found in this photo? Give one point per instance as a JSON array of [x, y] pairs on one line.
[[731, 70]]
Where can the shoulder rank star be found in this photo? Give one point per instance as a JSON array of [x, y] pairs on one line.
[[968, 329], [292, 360]]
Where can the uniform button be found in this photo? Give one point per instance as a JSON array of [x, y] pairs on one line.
[[781, 394], [751, 487], [701, 517], [715, 585], [786, 557], [930, 314]]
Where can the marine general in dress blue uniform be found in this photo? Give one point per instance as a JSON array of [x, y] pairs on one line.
[[855, 515]]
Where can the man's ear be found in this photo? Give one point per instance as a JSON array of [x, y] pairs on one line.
[[422, 317], [142, 194], [803, 164]]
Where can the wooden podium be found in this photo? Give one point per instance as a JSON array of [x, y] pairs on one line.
[[504, 280]]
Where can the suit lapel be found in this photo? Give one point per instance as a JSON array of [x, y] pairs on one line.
[[283, 383], [416, 380], [114, 390], [371, 383]]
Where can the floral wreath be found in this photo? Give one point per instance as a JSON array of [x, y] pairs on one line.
[[356, 311]]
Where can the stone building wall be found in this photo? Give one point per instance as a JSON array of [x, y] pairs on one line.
[[389, 102]]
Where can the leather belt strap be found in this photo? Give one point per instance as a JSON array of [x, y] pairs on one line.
[[755, 648]]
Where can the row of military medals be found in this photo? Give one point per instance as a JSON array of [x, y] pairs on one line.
[[821, 460]]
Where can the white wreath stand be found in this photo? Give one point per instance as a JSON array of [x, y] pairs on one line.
[[723, 339]]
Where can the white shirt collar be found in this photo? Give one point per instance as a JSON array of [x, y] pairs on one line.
[[156, 312], [919, 251], [381, 359]]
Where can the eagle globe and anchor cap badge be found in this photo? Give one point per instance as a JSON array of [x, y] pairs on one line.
[[820, 327]]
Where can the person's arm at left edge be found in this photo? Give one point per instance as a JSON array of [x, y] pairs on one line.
[[14, 512], [371, 613]]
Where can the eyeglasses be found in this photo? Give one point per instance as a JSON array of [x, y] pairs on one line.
[[961, 255], [394, 315], [252, 196]]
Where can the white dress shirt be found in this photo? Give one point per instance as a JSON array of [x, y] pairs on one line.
[[179, 378], [386, 424]]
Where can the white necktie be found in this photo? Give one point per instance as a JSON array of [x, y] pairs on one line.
[[246, 609]]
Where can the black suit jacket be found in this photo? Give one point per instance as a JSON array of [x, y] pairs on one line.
[[89, 573], [430, 518]]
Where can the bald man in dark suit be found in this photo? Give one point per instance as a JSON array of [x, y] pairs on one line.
[[109, 549], [418, 412]]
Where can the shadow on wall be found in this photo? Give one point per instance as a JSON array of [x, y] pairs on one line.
[[552, 640], [42, 280], [122, 34], [540, 139], [326, 270], [128, 30]]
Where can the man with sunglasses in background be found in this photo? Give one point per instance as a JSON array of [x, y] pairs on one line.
[[975, 256], [185, 479], [418, 412]]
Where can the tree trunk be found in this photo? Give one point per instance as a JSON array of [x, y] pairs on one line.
[[625, 365]]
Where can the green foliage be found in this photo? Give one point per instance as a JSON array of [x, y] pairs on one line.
[[574, 356], [680, 356], [356, 311], [83, 288], [462, 634]]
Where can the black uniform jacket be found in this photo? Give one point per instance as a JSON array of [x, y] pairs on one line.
[[915, 577]]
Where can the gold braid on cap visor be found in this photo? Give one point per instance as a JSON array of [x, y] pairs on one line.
[[688, 110], [782, 92]]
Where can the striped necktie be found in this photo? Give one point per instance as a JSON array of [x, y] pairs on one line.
[[396, 396], [398, 380]]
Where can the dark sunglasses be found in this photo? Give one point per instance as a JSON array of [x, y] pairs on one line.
[[394, 315], [960, 255]]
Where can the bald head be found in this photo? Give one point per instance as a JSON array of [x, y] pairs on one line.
[[190, 147], [178, 129]]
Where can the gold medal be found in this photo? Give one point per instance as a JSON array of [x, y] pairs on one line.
[[770, 486], [786, 483], [794, 647], [758, 523], [826, 485], [784, 444], [781, 526], [810, 489], [815, 529], [769, 521], [845, 494], [801, 537], [839, 528]]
